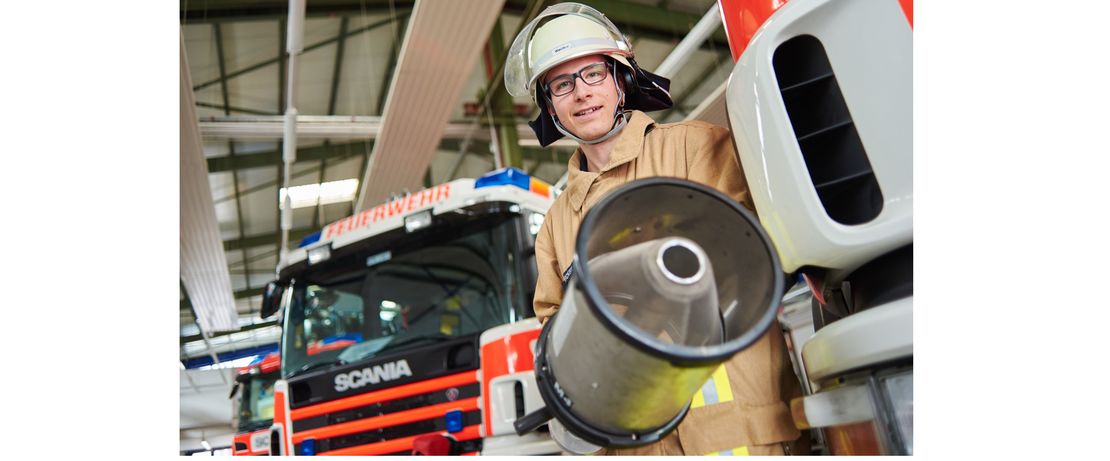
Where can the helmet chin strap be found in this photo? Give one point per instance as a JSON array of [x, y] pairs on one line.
[[620, 119]]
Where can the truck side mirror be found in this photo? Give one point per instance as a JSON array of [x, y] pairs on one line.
[[271, 299]]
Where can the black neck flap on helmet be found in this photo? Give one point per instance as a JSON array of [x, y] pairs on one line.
[[648, 92]]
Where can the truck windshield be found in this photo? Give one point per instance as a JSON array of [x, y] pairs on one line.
[[443, 283], [256, 407]]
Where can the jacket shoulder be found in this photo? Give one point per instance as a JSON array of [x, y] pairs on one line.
[[559, 205], [555, 214], [689, 128]]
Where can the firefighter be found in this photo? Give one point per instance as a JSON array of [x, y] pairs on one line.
[[581, 72]]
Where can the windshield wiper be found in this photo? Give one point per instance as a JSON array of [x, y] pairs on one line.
[[316, 365], [409, 341]]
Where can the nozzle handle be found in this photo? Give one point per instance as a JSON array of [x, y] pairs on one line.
[[531, 421]]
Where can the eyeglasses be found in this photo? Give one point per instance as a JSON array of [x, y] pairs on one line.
[[592, 74]]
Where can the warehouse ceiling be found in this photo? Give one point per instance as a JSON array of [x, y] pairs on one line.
[[353, 49]]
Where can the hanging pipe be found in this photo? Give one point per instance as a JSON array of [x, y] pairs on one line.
[[294, 46]]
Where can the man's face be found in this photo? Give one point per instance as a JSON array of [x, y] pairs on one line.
[[588, 110]]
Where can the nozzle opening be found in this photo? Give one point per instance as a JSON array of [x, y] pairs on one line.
[[681, 263]]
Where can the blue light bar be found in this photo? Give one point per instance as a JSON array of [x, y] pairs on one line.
[[310, 239], [505, 176], [308, 447], [454, 421]]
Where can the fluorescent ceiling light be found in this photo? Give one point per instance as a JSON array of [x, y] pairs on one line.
[[320, 194]]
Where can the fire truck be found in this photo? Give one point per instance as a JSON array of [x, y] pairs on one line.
[[827, 148], [254, 385], [408, 327]]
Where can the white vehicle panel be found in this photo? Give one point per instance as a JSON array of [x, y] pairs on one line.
[[442, 198], [869, 46], [865, 338]]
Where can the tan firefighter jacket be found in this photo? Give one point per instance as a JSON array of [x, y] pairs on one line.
[[744, 408]]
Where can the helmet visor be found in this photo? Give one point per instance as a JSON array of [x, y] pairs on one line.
[[520, 77]]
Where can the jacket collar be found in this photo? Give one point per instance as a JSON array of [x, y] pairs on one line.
[[627, 147]]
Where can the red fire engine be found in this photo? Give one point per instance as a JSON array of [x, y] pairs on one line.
[[254, 384]]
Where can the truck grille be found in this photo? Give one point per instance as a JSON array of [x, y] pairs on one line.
[[386, 421]]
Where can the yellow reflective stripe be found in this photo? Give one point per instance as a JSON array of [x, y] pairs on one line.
[[715, 390], [724, 388], [699, 400], [718, 389], [738, 451]]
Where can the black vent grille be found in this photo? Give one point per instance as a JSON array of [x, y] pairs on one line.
[[830, 145]]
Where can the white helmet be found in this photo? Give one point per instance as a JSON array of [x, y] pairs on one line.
[[565, 31]]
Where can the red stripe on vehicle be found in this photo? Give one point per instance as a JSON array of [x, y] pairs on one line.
[[742, 18], [407, 390], [907, 9], [392, 419]]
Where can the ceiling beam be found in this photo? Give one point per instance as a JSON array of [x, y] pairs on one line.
[[243, 110], [252, 259], [239, 10], [540, 154], [273, 158], [308, 127], [265, 239], [280, 59]]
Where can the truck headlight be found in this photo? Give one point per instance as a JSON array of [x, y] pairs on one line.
[[416, 221], [318, 254]]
